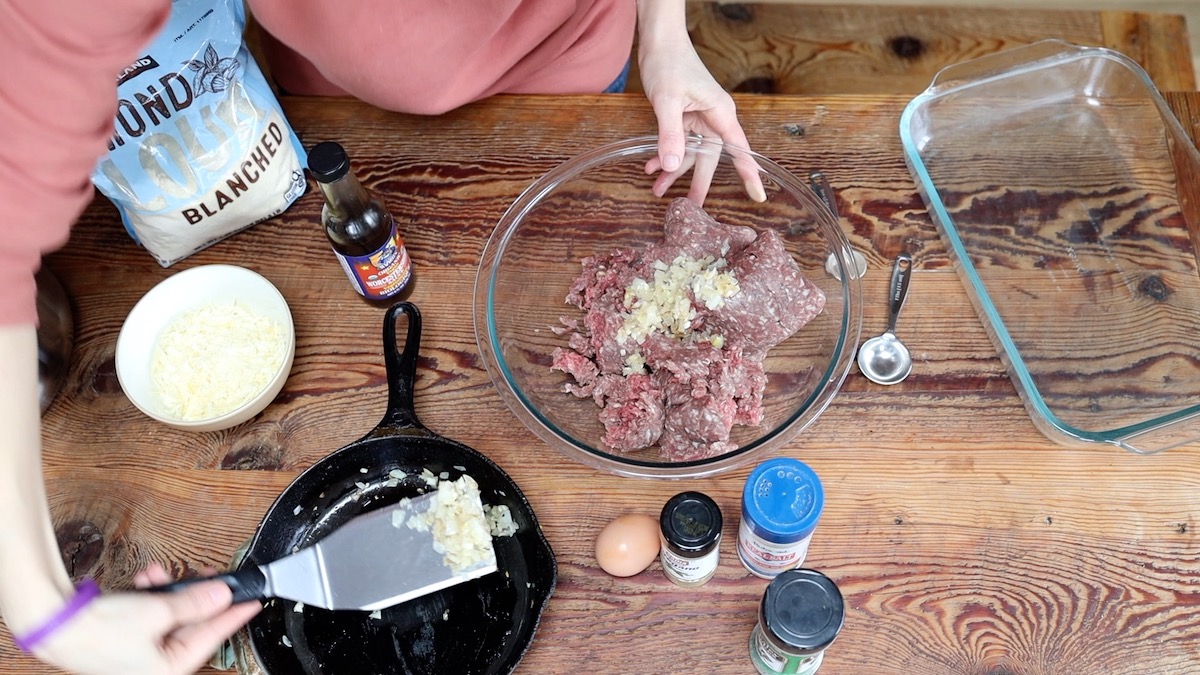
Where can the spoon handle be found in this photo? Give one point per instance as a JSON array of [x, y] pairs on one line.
[[820, 185], [898, 289]]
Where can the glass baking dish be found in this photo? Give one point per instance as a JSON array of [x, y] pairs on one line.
[[1068, 196]]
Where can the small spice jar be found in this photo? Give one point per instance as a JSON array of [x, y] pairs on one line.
[[691, 538], [801, 614], [781, 504]]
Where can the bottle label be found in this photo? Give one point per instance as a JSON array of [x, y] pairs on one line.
[[381, 274], [766, 558], [688, 570], [768, 659]]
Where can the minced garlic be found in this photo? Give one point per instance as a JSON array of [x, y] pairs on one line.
[[214, 359]]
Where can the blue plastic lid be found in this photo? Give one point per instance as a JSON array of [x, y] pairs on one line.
[[782, 500]]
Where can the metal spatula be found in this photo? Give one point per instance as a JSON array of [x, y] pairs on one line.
[[374, 561]]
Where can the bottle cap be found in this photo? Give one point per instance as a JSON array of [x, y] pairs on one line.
[[782, 500], [802, 611], [691, 521], [328, 161]]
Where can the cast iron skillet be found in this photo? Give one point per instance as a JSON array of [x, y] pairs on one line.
[[479, 626]]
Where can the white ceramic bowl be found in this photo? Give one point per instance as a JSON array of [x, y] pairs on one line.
[[182, 293]]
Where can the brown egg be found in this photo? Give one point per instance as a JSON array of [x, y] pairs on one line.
[[627, 545]]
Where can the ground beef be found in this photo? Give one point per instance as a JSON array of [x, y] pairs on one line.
[[775, 302], [683, 392]]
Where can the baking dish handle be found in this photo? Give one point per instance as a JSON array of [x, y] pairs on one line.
[[1004, 62]]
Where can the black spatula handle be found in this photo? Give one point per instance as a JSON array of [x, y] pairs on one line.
[[247, 584]]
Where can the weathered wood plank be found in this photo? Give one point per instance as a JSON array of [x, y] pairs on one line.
[[1186, 111], [1158, 42], [790, 48]]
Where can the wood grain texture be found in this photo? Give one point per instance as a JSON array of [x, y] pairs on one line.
[[963, 540], [786, 48], [1159, 42]]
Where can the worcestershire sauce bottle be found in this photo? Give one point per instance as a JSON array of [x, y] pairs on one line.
[[359, 227]]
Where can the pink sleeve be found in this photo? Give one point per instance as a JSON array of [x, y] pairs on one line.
[[57, 101]]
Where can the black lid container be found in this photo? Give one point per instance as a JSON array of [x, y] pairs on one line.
[[802, 611], [691, 537]]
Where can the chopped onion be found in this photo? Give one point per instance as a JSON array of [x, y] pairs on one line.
[[460, 528], [500, 521]]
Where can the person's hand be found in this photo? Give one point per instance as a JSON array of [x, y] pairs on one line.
[[687, 100], [148, 633]]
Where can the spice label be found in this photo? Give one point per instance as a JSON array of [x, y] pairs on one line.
[[768, 659], [689, 569], [381, 274], [769, 656], [766, 558]]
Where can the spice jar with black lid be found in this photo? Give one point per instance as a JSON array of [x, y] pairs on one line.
[[691, 538], [801, 614]]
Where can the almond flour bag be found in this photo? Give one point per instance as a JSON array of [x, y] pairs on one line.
[[201, 148]]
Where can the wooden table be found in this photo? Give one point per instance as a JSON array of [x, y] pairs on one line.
[[963, 540], [794, 48]]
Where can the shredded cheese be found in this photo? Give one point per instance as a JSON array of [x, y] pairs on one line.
[[213, 360]]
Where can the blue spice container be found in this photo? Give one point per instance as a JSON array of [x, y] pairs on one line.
[[781, 504]]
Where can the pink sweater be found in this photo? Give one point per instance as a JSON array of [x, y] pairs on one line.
[[62, 57]]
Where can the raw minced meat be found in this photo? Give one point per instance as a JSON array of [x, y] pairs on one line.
[[672, 339]]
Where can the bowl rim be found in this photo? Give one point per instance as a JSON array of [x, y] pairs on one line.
[[251, 407], [487, 339]]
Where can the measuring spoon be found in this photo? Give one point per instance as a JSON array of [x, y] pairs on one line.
[[884, 359], [857, 262]]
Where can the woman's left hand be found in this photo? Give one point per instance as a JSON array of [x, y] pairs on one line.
[[138, 633]]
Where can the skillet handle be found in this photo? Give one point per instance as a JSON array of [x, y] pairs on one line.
[[401, 369], [247, 584]]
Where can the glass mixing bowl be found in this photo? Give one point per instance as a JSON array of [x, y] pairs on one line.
[[602, 200]]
